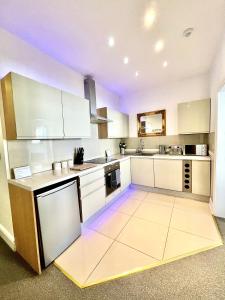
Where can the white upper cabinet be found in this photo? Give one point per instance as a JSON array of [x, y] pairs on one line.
[[118, 128], [32, 110], [194, 117], [142, 171], [168, 174], [76, 115]]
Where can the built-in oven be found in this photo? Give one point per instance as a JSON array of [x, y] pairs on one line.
[[112, 178]]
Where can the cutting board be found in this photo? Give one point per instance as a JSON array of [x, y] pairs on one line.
[[83, 167]]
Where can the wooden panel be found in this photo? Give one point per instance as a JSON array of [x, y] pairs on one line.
[[201, 178], [102, 128], [24, 225], [168, 174], [142, 171], [8, 107]]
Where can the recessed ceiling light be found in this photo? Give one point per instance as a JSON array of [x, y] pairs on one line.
[[149, 18], [111, 41], [165, 64], [136, 74], [159, 46], [126, 60], [188, 31]]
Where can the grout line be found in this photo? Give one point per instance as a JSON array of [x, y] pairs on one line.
[[168, 230], [197, 235], [138, 250], [114, 240], [98, 262]]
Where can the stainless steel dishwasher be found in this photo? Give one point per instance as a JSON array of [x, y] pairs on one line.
[[58, 218]]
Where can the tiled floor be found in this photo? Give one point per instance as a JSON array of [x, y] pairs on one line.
[[138, 231]]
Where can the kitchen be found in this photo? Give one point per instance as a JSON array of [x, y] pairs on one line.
[[48, 110]]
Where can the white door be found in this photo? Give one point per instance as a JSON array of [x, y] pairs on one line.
[[76, 116], [125, 174], [201, 177], [38, 109], [168, 174], [142, 171]]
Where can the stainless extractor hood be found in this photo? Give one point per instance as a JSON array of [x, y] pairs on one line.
[[90, 94]]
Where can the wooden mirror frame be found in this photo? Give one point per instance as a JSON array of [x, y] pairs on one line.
[[163, 113]]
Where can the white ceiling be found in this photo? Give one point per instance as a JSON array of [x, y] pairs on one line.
[[75, 33]]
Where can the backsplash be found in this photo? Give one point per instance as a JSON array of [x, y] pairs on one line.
[[155, 141], [40, 154]]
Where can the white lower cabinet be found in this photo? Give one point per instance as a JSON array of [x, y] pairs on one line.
[[168, 174], [125, 174], [142, 171], [92, 193], [201, 177], [93, 203]]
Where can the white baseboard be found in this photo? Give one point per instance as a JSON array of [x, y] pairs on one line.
[[7, 237]]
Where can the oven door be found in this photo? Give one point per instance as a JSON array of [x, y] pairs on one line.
[[112, 181]]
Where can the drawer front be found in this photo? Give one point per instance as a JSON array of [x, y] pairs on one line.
[[91, 187], [91, 177], [93, 203]]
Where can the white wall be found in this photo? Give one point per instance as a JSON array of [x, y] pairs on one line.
[[217, 80], [18, 56], [217, 91], [166, 97]]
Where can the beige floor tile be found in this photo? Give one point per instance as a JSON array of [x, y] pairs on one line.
[[127, 205], [110, 223], [181, 243], [118, 260], [83, 255], [138, 194], [145, 236], [160, 199], [196, 223], [154, 212], [192, 205]]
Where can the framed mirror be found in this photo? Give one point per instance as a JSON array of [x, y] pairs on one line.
[[152, 123]]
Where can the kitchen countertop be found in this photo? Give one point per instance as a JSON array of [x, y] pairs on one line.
[[47, 178]]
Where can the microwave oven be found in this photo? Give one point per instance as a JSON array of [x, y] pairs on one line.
[[196, 150]]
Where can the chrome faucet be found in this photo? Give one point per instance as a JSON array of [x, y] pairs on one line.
[[141, 146]]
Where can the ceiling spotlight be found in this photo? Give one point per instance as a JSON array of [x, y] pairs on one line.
[[188, 31], [126, 60], [149, 18], [111, 41], [136, 74], [165, 64], [159, 46]]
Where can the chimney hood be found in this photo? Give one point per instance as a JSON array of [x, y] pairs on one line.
[[90, 94]]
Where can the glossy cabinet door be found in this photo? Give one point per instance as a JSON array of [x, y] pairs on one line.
[[114, 127], [37, 108], [142, 172], [194, 117], [76, 116], [125, 174], [168, 174], [117, 128], [201, 177]]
